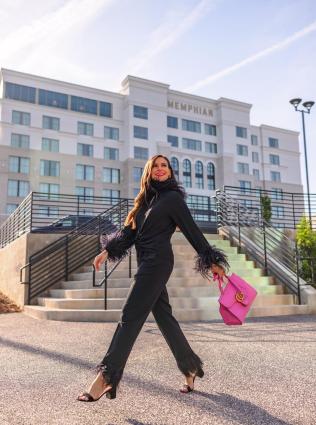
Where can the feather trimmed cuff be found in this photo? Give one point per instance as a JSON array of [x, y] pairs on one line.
[[117, 244], [211, 255]]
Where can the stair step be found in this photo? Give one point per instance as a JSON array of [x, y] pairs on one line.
[[179, 302], [193, 314]]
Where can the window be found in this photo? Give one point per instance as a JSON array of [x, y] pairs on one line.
[[19, 92], [50, 189], [135, 191], [48, 211], [51, 123], [192, 144], [85, 194], [140, 112], [105, 109], [241, 132], [18, 164], [85, 128], [256, 174], [273, 143], [51, 98], [84, 172], [244, 185], [187, 178], [140, 132], [242, 150], [84, 149], [255, 156], [275, 176], [113, 194], [277, 194], [254, 140], [199, 203], [194, 126], [172, 122], [173, 140], [274, 159], [81, 104], [210, 171], [210, 129], [22, 118], [210, 147], [21, 141], [10, 208], [111, 133], [111, 153], [277, 211], [175, 166], [137, 174], [18, 188], [50, 145], [140, 153], [49, 168], [242, 168], [111, 175], [199, 175]]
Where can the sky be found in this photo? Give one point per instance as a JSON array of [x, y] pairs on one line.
[[257, 51]]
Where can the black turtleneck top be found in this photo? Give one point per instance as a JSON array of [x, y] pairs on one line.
[[163, 210]]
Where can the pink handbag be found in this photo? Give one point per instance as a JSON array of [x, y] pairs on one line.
[[235, 299]]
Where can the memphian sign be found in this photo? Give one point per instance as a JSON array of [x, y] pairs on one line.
[[188, 107]]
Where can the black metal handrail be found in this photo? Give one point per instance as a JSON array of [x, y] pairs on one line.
[[269, 246], [48, 213], [104, 281], [55, 262], [287, 208]]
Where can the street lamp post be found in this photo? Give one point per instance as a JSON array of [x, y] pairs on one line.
[[307, 105]]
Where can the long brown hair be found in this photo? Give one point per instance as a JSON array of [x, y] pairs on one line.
[[144, 184]]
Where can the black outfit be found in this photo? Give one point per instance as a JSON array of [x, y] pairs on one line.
[[164, 209]]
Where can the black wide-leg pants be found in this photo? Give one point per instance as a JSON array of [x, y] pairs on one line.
[[148, 293]]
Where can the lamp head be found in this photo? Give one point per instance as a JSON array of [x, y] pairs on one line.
[[308, 105], [295, 102]]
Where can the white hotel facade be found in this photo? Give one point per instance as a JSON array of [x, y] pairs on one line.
[[59, 137]]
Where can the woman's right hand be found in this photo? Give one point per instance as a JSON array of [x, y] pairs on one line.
[[99, 259]]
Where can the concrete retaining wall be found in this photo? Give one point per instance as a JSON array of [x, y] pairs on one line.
[[13, 257]]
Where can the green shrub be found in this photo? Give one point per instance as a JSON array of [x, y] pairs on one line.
[[306, 244]]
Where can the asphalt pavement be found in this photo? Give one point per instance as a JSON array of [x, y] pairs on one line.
[[260, 373]]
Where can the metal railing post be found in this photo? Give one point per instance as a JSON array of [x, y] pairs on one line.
[[66, 259], [31, 218], [29, 285], [265, 248], [105, 285], [297, 257], [238, 221]]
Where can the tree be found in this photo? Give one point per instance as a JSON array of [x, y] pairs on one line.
[[306, 243], [266, 208]]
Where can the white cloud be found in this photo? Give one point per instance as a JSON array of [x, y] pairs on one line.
[[229, 70], [50, 29], [168, 32]]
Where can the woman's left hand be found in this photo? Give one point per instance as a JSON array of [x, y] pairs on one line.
[[215, 268]]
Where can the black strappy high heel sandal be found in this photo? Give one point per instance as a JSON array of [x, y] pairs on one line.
[[186, 388], [110, 393]]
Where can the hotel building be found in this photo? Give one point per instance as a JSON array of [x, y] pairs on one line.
[[59, 137]]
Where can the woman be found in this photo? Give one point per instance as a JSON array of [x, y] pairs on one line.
[[158, 209]]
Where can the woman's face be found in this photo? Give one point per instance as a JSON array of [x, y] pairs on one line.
[[160, 170]]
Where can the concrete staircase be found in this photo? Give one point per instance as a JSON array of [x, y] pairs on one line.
[[191, 296]]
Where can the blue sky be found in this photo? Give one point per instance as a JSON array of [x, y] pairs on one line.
[[257, 51]]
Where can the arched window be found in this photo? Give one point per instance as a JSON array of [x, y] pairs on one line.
[[210, 176], [199, 175], [187, 178], [175, 166]]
